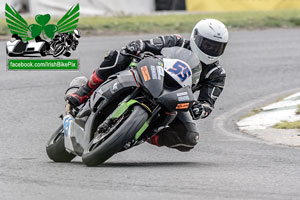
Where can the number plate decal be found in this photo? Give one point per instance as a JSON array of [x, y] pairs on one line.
[[182, 106], [181, 70], [145, 73], [67, 123]]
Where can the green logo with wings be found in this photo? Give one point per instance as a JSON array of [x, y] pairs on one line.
[[18, 25]]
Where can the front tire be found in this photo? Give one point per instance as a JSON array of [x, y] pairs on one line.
[[98, 152], [59, 50], [55, 148]]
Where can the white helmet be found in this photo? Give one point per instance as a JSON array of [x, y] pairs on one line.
[[208, 40], [76, 33]]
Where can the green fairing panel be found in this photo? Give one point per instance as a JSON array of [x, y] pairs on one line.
[[122, 108], [132, 64], [141, 131]]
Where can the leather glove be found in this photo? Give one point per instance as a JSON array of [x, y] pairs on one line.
[[200, 110], [135, 47]]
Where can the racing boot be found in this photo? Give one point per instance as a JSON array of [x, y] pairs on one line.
[[83, 92], [75, 84]]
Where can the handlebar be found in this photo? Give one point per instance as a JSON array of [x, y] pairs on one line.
[[140, 56]]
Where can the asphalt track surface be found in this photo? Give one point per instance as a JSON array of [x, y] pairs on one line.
[[226, 164]]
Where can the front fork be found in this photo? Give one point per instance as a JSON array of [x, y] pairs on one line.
[[128, 102], [119, 111]]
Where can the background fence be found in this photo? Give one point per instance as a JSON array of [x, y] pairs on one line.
[[121, 7]]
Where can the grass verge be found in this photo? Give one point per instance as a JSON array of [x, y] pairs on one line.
[[169, 23], [253, 112], [298, 111], [287, 125]]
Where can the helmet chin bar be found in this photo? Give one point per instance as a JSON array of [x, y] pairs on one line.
[[206, 59]]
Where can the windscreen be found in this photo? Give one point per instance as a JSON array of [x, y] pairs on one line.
[[187, 56]]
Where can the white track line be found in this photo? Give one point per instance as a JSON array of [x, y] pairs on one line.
[[219, 123]]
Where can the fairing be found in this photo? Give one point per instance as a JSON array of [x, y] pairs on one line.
[[151, 74], [180, 100], [187, 65]]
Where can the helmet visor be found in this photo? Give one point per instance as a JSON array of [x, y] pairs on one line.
[[209, 47]]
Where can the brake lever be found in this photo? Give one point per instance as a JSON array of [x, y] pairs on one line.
[[139, 58]]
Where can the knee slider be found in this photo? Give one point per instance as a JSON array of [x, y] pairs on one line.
[[192, 138]]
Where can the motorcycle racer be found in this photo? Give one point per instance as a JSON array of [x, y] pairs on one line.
[[208, 41], [69, 40]]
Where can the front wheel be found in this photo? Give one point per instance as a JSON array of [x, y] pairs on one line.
[[56, 147], [102, 147], [59, 50]]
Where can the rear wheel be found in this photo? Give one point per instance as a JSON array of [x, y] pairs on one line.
[[56, 147], [105, 145], [44, 49], [43, 53]]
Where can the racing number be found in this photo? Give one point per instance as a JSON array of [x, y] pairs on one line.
[[181, 70]]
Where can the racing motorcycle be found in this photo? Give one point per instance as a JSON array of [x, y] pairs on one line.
[[16, 47], [63, 43], [128, 108]]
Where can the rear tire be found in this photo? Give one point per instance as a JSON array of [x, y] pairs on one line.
[[55, 148], [43, 53], [94, 156]]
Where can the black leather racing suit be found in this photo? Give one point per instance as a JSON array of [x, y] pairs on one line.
[[182, 133]]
